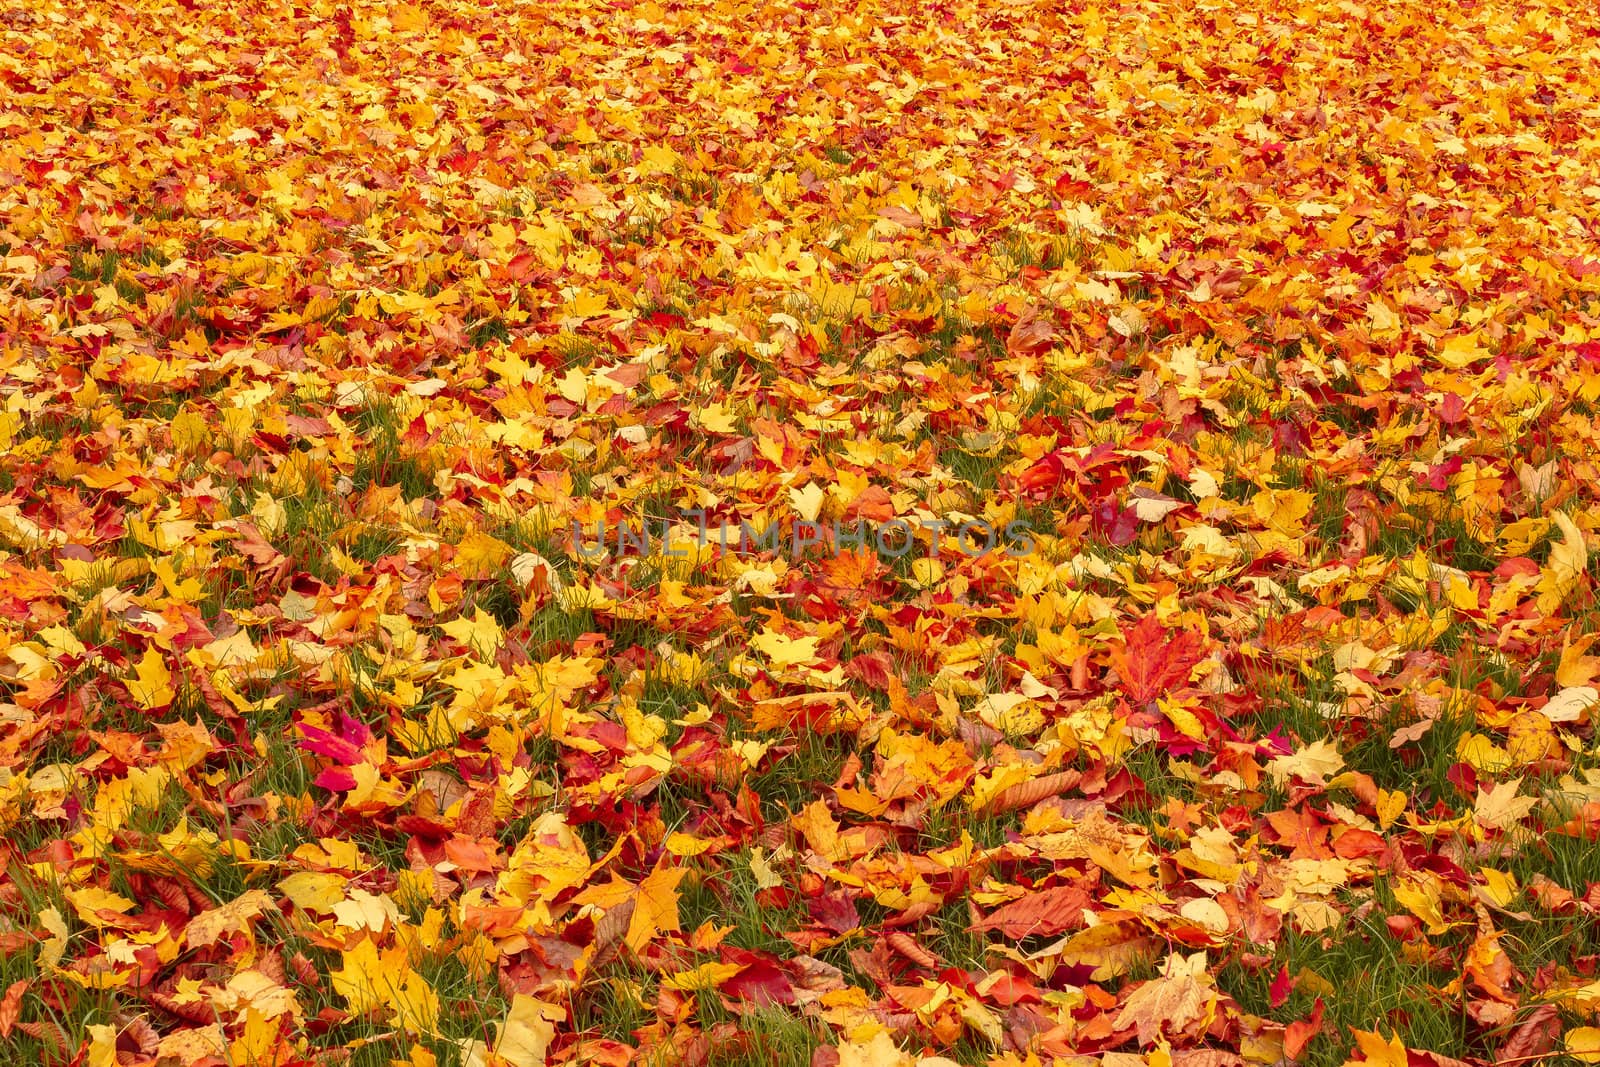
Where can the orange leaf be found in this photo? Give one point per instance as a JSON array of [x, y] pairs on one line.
[[11, 1005], [1051, 911]]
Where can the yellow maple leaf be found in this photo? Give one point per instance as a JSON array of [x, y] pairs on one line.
[[1385, 323], [102, 1046], [210, 926], [1316, 762], [1282, 510], [807, 501], [657, 909], [98, 907], [151, 685], [716, 418], [481, 633], [527, 1031], [761, 869], [315, 891], [1500, 807], [385, 983], [785, 651], [1378, 1051], [820, 830], [879, 1051], [1583, 1044], [480, 557], [357, 978], [366, 911], [706, 976], [1461, 351], [407, 18], [1422, 895], [1499, 887], [1483, 754], [1182, 996], [1566, 567]]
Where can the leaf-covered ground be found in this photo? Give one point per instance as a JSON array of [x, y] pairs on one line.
[[1276, 331]]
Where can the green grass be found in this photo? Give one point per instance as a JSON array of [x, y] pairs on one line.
[[728, 895], [384, 459], [1366, 981], [795, 778], [471, 1006], [615, 1005]]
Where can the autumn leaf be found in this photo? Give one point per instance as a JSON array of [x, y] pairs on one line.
[[1316, 762], [1568, 564], [705, 976], [151, 685], [1044, 913], [1501, 807], [1151, 661], [527, 1031], [235, 916], [1583, 1044], [1380, 1051], [1181, 997], [783, 651], [480, 556], [11, 1005]]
